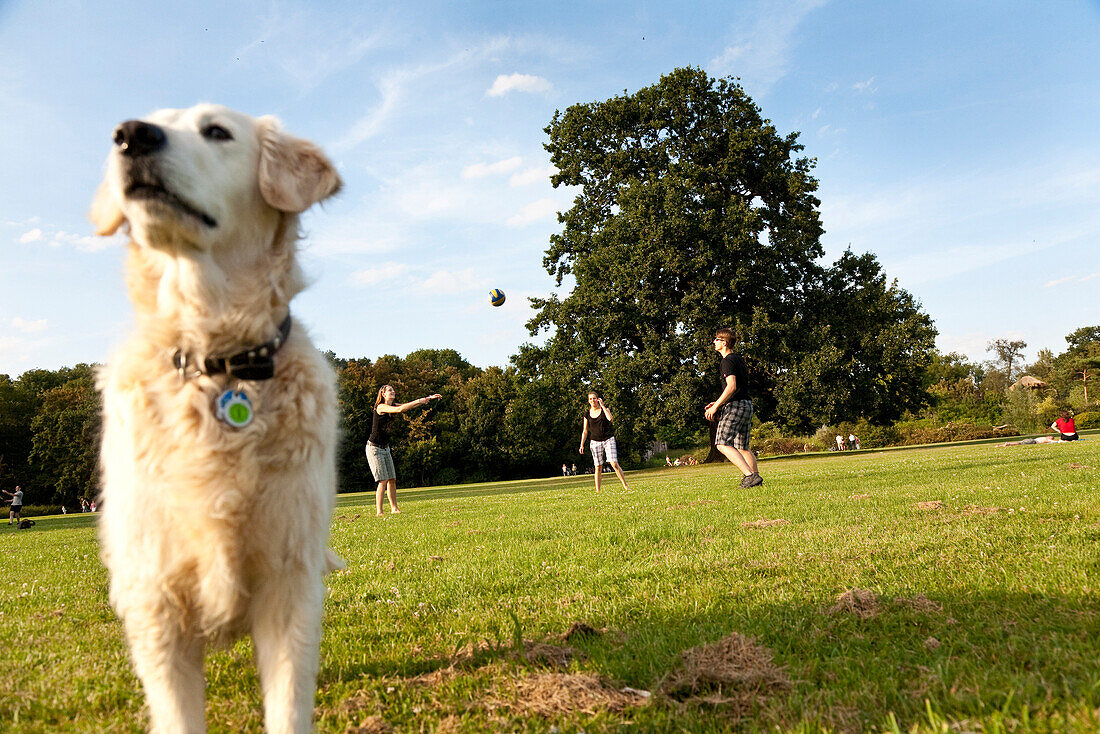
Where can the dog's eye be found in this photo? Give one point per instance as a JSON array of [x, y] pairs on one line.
[[216, 132]]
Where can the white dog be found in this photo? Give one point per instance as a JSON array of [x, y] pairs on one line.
[[219, 436]]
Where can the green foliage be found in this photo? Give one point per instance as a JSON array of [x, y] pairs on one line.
[[694, 212]]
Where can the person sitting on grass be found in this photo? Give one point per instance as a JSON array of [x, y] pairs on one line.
[[1066, 428]]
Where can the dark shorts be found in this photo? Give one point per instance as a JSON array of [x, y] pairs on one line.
[[16, 508], [734, 423], [1068, 436]]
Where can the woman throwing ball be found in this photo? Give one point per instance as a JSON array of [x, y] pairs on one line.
[[596, 425], [378, 445]]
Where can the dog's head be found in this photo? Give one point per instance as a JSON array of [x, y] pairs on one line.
[[199, 178]]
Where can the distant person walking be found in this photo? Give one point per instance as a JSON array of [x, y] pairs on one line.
[[16, 504], [839, 442], [596, 426], [1066, 428], [378, 445], [733, 410], [853, 442]]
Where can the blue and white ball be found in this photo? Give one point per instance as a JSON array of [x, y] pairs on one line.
[[496, 297]]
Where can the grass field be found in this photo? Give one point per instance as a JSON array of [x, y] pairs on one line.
[[858, 604]]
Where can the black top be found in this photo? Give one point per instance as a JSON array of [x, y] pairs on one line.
[[732, 364], [599, 428], [380, 429]]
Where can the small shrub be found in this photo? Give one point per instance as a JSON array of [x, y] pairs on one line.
[[1087, 420]]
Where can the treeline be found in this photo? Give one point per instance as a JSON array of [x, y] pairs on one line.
[[495, 423]]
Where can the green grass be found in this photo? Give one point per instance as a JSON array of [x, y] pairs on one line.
[[1010, 559]]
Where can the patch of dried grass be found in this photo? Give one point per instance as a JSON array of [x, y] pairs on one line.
[[930, 505], [696, 503], [979, 510], [764, 523], [553, 694], [732, 670], [1075, 465], [370, 725], [579, 631], [859, 496], [919, 603], [861, 602]]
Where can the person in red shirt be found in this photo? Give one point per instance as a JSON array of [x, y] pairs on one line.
[[1065, 426]]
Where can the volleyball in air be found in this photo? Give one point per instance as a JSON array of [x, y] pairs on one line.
[[496, 297]]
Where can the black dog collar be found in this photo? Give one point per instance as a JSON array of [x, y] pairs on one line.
[[257, 363]]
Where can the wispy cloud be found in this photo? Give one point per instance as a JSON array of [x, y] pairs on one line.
[[539, 174], [533, 212], [29, 327], [308, 45], [866, 86], [1070, 279], [396, 86], [447, 282], [500, 168], [761, 48], [380, 274], [506, 83]]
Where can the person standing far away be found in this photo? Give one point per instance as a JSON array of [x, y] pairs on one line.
[[733, 410], [378, 445], [16, 504], [596, 426], [839, 443], [853, 442]]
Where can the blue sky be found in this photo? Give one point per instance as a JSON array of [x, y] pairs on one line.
[[959, 142]]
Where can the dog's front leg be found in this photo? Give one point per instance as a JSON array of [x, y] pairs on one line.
[[286, 634], [169, 663]]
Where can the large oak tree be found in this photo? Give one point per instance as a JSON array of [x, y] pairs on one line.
[[692, 212]]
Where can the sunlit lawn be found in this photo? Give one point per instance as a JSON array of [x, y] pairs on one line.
[[981, 613]]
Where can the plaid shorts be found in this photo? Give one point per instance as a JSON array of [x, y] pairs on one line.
[[734, 422], [604, 451]]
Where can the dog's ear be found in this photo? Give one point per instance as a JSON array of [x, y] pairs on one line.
[[105, 212], [294, 173]]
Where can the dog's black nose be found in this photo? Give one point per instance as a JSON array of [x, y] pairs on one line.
[[135, 138]]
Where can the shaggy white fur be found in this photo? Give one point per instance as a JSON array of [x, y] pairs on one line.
[[211, 531]]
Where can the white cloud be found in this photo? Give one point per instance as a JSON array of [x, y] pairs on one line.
[[500, 168], [518, 83], [533, 212], [446, 282], [1090, 277], [85, 243], [760, 51], [1060, 281], [29, 327], [33, 235], [866, 86], [532, 175], [372, 276]]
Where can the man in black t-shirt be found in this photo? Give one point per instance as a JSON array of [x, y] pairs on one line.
[[733, 410]]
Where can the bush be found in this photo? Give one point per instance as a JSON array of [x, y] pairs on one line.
[[1087, 420]]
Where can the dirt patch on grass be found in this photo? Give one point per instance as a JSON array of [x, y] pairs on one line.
[[930, 505], [1075, 465], [861, 602], [979, 510], [919, 603], [541, 653], [765, 523], [579, 631], [370, 725], [553, 694], [859, 497], [734, 670]]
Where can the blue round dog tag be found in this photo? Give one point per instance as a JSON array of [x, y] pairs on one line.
[[234, 407]]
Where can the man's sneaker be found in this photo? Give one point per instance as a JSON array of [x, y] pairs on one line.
[[745, 480], [752, 480]]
